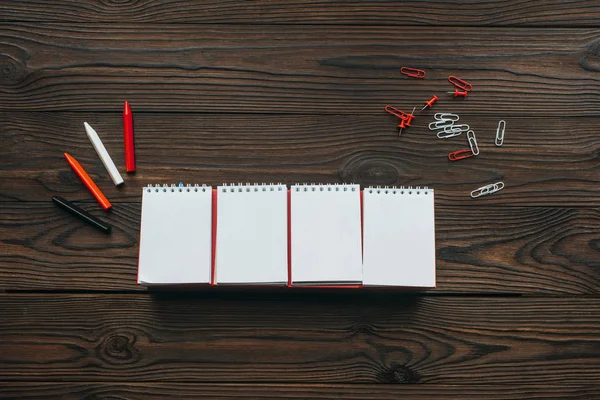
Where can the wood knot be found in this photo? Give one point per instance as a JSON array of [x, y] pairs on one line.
[[11, 70], [590, 60], [119, 349], [397, 374], [370, 171]]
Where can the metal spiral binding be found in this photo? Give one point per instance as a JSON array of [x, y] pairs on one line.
[[176, 188], [251, 187], [402, 190], [324, 187]]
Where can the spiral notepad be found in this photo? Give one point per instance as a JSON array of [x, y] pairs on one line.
[[307, 235], [325, 235], [251, 234], [399, 237], [175, 237]]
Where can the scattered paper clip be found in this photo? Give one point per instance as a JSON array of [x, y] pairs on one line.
[[460, 155], [459, 83], [458, 93], [488, 189], [400, 114], [500, 133], [413, 72], [460, 127], [446, 117], [473, 142], [449, 134], [395, 112], [440, 124], [405, 118]]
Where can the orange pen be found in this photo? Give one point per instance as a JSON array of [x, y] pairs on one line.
[[88, 182]]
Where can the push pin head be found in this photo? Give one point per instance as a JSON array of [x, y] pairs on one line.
[[429, 103]]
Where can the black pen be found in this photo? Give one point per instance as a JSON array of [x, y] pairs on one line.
[[84, 215]]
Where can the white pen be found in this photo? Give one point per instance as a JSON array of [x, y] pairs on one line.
[[103, 154]]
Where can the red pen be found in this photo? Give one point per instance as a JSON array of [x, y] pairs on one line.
[[128, 135], [88, 182]]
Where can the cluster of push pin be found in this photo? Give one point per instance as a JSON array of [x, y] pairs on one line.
[[446, 126]]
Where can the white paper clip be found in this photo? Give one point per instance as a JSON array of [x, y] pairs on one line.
[[446, 117], [103, 154], [500, 133], [472, 142], [461, 127], [488, 189], [440, 124], [449, 134]]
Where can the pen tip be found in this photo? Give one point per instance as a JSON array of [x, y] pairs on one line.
[[126, 107], [87, 126]]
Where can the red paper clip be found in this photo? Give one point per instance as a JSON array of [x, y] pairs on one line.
[[430, 102], [458, 93], [412, 72], [404, 116], [459, 83], [460, 155]]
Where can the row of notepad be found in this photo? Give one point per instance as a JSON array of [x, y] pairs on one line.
[[311, 235]]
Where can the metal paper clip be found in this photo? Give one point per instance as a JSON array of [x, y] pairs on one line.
[[461, 127], [500, 133], [473, 142], [488, 189], [460, 155], [449, 134], [435, 125], [395, 112], [446, 117], [413, 72], [459, 83], [405, 118]]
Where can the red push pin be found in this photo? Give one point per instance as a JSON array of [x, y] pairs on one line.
[[406, 120], [430, 102], [458, 93]]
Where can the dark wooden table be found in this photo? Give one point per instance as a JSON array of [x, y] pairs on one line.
[[231, 91]]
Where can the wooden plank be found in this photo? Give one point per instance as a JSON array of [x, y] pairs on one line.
[[185, 390], [479, 249], [506, 13], [544, 162], [302, 338], [292, 69]]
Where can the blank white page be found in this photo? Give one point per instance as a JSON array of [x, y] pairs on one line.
[[326, 234], [175, 235], [399, 237], [251, 234]]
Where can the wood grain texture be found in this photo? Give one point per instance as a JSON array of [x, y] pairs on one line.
[[185, 390], [292, 69], [479, 249], [544, 162], [302, 338], [470, 13]]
